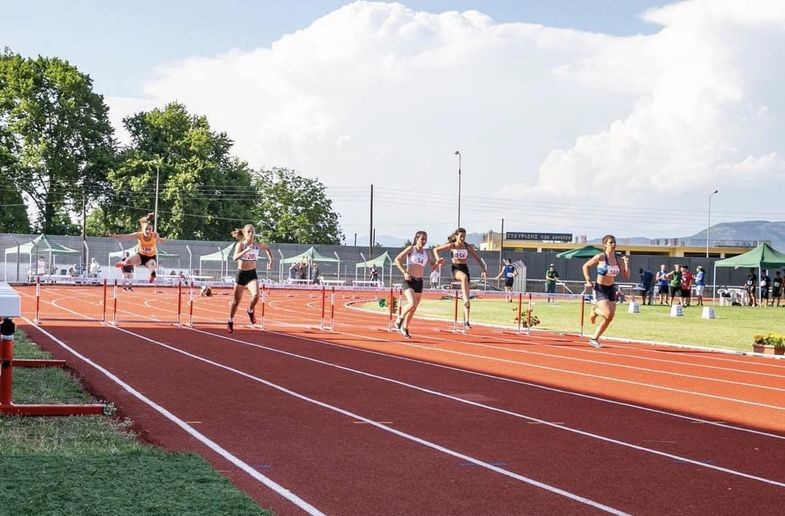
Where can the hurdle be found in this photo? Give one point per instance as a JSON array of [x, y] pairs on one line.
[[175, 321], [9, 308], [519, 330], [455, 328], [322, 325], [38, 319]]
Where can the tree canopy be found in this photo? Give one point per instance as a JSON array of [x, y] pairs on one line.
[[293, 208], [204, 192], [56, 138], [59, 159]]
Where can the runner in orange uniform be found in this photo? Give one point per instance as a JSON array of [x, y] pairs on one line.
[[146, 249]]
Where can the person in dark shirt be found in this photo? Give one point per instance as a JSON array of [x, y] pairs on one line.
[[776, 288], [647, 285], [765, 283], [750, 285]]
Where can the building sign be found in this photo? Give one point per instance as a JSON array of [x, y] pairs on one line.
[[543, 237]]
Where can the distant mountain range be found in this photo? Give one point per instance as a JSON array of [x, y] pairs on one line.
[[727, 233]]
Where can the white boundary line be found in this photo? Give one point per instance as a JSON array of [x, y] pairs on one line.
[[483, 406], [277, 488]]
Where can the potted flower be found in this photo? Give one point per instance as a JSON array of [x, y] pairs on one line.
[[770, 344]]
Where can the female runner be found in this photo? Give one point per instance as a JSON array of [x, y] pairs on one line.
[[608, 268], [459, 253], [416, 258], [246, 252], [146, 248]]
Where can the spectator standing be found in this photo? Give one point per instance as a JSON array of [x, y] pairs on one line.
[[686, 285], [41, 267], [292, 272], [551, 276], [662, 284], [647, 284], [750, 285], [316, 274], [374, 274], [776, 288], [764, 288], [700, 284], [674, 282], [435, 277], [95, 268]]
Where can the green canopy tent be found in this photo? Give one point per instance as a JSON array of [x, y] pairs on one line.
[[380, 261], [39, 245], [762, 257], [308, 257], [587, 252]]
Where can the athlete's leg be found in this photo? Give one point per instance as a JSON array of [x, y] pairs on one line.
[[253, 290]]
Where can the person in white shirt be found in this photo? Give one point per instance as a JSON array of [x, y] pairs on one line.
[[95, 268]]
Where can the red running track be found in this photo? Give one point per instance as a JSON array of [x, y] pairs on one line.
[[359, 421]]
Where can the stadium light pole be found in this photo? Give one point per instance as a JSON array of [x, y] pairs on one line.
[[708, 223], [157, 176], [458, 153]]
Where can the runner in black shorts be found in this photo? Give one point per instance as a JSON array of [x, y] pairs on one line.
[[608, 267], [246, 252], [416, 258], [146, 247], [459, 252], [509, 273]]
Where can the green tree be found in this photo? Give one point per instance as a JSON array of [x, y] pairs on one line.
[[204, 192], [295, 209], [57, 139]]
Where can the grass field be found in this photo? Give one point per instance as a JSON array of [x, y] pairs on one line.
[[94, 465], [732, 329]]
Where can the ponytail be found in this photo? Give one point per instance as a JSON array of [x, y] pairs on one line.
[[147, 219], [452, 238], [237, 234]]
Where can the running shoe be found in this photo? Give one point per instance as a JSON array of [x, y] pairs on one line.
[[405, 333], [398, 322], [595, 343], [230, 326], [125, 288], [467, 325], [251, 316]]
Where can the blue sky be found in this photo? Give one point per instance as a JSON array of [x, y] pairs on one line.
[[572, 116], [118, 43]]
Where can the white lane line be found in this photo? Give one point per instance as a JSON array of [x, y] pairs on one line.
[[268, 482], [379, 425], [402, 343], [356, 417], [488, 407]]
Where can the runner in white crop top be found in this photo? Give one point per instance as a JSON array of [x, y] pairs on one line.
[[460, 251], [416, 258], [246, 252]]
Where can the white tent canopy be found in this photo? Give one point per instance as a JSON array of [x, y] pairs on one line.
[[39, 245], [221, 255]]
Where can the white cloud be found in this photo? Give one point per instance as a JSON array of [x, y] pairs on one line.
[[378, 93]]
